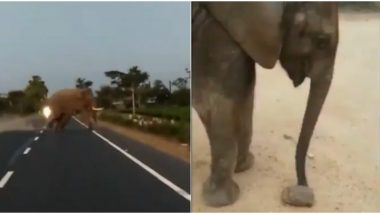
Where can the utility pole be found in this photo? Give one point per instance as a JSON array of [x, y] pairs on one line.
[[133, 101], [170, 86]]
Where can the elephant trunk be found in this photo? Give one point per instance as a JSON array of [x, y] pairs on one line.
[[319, 88]]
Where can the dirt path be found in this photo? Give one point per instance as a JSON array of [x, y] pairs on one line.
[[345, 170]]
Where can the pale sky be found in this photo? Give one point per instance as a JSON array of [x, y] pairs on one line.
[[61, 41]]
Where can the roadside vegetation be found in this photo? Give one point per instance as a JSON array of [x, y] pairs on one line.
[[130, 99], [359, 6]]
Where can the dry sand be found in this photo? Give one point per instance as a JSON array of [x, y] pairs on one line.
[[344, 172]]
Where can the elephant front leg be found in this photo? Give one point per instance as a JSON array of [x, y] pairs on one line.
[[88, 119]]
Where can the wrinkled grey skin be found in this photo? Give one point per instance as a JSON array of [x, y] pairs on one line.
[[303, 36]]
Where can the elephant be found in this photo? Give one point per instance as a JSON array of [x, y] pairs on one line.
[[228, 40], [65, 103]]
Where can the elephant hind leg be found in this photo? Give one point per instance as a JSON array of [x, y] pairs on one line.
[[220, 189], [244, 117], [53, 120], [63, 122]]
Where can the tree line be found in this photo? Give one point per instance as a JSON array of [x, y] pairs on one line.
[[25, 101], [125, 90]]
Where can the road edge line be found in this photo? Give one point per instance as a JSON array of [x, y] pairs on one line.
[[161, 178]]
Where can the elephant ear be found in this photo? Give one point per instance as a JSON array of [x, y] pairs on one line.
[[255, 26]]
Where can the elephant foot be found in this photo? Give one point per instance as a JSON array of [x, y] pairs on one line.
[[300, 196], [220, 195], [245, 163]]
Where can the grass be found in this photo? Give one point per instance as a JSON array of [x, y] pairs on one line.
[[180, 130], [179, 113]]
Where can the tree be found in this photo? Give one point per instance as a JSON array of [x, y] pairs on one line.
[[16, 100], [160, 91], [129, 81], [35, 92], [180, 83], [4, 104], [83, 83], [104, 96], [181, 97]]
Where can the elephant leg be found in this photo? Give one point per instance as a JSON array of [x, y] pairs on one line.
[[302, 194], [52, 122], [63, 122], [220, 189], [245, 158], [88, 120], [222, 79]]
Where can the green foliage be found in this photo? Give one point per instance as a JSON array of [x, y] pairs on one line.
[[16, 101], [104, 96], [35, 92], [138, 80], [125, 82], [4, 104], [160, 92], [359, 6], [181, 97], [25, 101], [83, 83], [179, 130], [133, 79], [167, 112], [180, 83]]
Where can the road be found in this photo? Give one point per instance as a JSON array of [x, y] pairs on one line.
[[82, 171]]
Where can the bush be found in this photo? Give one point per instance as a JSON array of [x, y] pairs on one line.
[[359, 6], [181, 97], [179, 130], [167, 112]]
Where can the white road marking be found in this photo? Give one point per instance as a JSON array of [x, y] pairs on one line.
[[164, 180], [27, 150], [36, 138], [5, 179], [105, 139]]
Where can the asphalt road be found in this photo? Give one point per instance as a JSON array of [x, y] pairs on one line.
[[82, 171]]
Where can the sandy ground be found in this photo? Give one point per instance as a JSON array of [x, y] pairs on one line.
[[344, 172]]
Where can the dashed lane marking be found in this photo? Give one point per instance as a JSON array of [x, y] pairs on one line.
[[27, 150], [5, 179]]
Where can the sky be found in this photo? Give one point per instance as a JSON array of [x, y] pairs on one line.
[[61, 41]]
